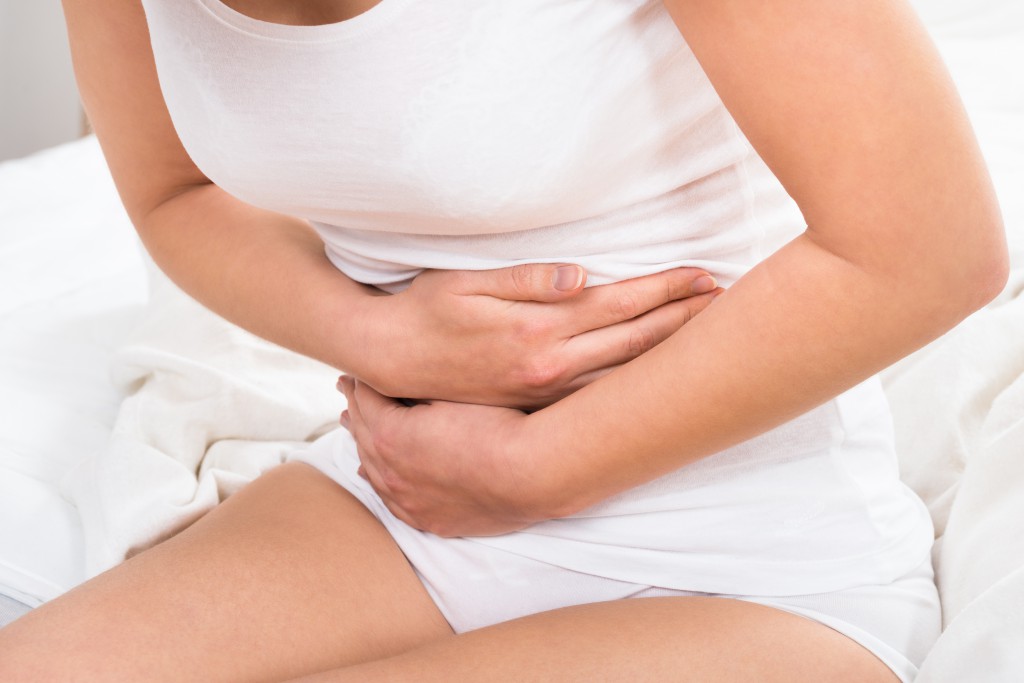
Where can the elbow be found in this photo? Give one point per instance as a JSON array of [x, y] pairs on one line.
[[982, 268], [992, 279]]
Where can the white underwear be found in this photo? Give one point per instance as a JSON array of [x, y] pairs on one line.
[[476, 585]]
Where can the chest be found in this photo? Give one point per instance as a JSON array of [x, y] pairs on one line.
[[307, 13], [442, 118]]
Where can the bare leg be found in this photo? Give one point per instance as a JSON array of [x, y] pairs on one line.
[[661, 640], [290, 576]]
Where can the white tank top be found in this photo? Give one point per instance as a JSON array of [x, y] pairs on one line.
[[473, 134]]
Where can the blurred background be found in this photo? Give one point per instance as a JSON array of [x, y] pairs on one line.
[[39, 104]]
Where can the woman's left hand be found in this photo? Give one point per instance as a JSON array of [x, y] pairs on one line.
[[452, 469]]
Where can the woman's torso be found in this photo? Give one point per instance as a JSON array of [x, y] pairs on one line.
[[462, 134], [480, 133]]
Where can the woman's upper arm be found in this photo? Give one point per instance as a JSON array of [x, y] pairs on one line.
[[854, 111], [119, 88]]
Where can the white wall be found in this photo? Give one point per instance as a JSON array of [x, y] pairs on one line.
[[38, 100]]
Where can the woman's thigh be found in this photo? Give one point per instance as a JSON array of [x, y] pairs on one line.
[[661, 640], [289, 576]]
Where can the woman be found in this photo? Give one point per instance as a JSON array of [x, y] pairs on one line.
[[738, 476]]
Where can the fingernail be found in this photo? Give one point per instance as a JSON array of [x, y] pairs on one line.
[[568, 278], [704, 284]]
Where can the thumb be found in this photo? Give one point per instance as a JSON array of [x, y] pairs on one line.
[[547, 282]]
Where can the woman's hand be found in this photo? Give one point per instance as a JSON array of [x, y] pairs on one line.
[[524, 336], [448, 468]]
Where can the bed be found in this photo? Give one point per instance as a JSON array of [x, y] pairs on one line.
[[127, 410]]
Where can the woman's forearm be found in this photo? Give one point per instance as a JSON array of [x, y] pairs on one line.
[[798, 329], [851, 107], [801, 327], [263, 271], [459, 336]]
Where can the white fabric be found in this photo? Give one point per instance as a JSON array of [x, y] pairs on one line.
[[959, 404], [475, 134], [71, 286], [70, 283], [468, 134], [475, 584], [11, 609], [209, 407]]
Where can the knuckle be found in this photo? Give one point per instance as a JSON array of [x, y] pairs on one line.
[[625, 306], [677, 286], [641, 340], [410, 507], [381, 442], [415, 517], [393, 482], [679, 313], [523, 279], [399, 511], [541, 373], [435, 527], [689, 312]]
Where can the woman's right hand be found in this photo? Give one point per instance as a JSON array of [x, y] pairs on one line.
[[523, 336]]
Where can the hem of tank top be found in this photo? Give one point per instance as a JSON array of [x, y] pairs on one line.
[[904, 544], [324, 33], [917, 560], [890, 561], [719, 575]]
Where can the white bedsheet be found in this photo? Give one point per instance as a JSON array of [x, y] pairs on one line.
[[959, 404], [71, 286], [959, 411], [208, 407], [135, 419]]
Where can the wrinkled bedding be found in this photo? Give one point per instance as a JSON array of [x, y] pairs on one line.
[[127, 410]]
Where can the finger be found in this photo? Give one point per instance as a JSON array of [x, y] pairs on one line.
[[344, 385], [352, 420], [369, 461], [373, 406], [352, 416], [621, 301], [544, 282], [621, 343], [373, 463], [369, 471]]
